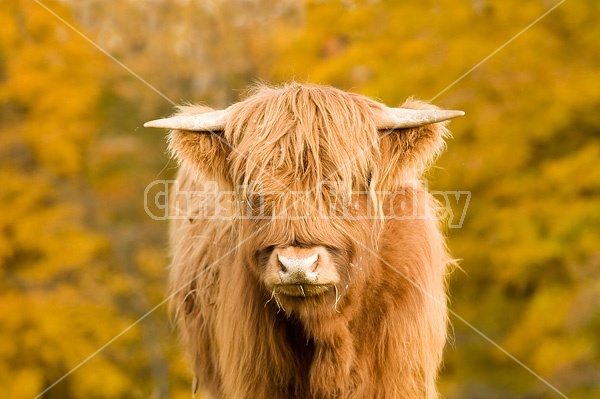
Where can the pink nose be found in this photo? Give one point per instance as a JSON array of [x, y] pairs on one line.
[[297, 265]]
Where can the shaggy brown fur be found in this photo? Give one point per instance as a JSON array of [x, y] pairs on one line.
[[379, 332]]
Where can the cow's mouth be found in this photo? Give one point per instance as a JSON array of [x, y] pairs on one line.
[[302, 290]]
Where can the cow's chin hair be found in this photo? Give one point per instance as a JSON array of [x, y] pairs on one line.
[[308, 300], [302, 290]]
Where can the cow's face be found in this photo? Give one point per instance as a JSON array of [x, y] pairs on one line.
[[308, 167], [298, 250]]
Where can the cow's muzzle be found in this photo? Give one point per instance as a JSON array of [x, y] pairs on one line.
[[298, 271]]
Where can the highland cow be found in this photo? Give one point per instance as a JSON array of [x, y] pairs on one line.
[[318, 295]]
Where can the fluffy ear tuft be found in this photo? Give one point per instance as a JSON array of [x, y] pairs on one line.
[[204, 152], [408, 153]]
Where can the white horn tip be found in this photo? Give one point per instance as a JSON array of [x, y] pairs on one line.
[[398, 118], [154, 123], [205, 122]]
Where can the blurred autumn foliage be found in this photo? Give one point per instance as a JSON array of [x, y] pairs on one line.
[[80, 261]]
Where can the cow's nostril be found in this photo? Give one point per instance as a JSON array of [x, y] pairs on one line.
[[282, 267]]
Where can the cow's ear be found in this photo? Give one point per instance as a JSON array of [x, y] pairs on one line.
[[203, 150], [408, 152]]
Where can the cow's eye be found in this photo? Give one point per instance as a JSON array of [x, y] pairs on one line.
[[263, 254]]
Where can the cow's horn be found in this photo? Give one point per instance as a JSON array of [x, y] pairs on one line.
[[206, 122], [397, 118]]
